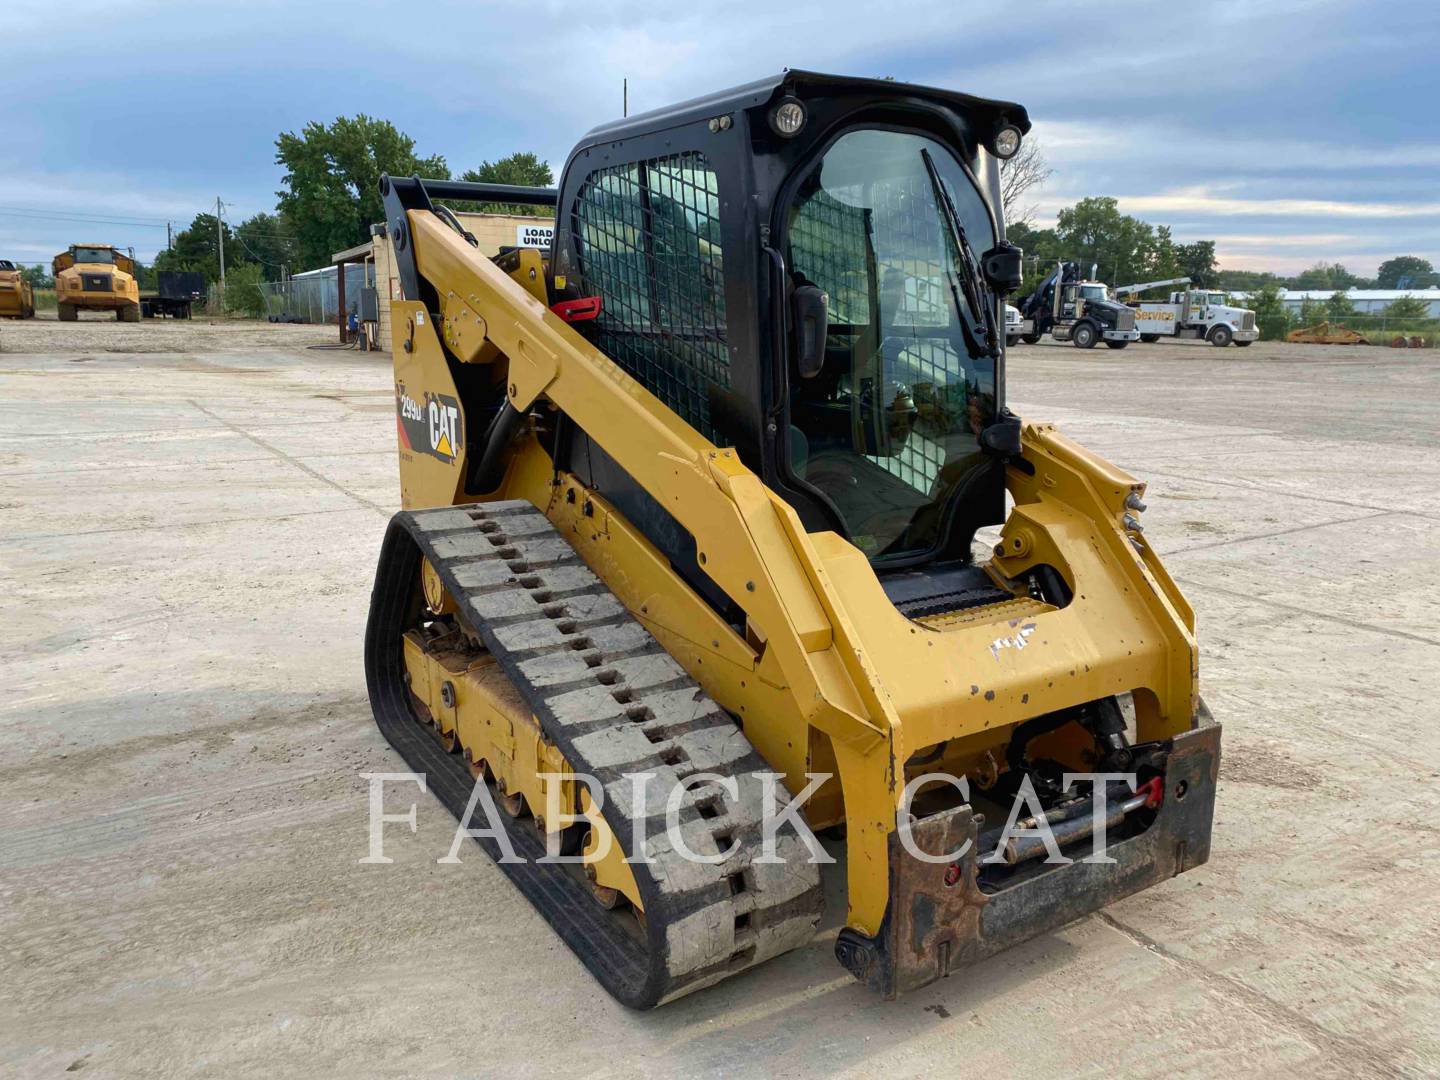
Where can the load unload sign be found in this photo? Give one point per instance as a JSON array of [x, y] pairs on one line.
[[534, 236]]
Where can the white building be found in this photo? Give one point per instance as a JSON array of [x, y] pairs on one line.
[[1366, 301]]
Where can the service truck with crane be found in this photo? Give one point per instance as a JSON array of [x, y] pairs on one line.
[[1188, 313]]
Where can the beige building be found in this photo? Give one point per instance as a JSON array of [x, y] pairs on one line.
[[493, 231]]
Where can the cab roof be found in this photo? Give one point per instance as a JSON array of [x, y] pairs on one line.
[[991, 111]]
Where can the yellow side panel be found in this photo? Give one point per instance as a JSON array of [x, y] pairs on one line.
[[429, 416]]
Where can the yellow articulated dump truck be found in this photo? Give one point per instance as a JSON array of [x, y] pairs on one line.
[[718, 540], [17, 299], [96, 277]]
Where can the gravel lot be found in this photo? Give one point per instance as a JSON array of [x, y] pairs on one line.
[[99, 332], [191, 517]]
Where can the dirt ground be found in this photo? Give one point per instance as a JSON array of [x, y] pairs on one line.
[[185, 563], [100, 332]]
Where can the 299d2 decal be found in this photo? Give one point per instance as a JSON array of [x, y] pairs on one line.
[[430, 425]]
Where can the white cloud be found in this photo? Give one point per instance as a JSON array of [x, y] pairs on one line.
[[1196, 128], [1362, 263], [1136, 140], [1283, 241], [1199, 200]]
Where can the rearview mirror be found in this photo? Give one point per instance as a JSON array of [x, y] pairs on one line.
[[1002, 267], [810, 310]]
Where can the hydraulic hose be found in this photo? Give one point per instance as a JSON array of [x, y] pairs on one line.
[[490, 469]]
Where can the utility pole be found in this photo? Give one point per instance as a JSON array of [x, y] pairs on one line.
[[220, 243], [169, 238], [624, 97]]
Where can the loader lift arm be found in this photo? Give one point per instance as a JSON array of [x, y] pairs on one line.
[[752, 552]]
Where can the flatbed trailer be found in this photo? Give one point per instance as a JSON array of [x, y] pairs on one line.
[[154, 306], [178, 290]]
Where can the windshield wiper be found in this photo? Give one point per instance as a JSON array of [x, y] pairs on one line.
[[977, 316]]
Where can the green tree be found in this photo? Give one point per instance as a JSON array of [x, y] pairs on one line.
[[1197, 262], [1313, 312], [197, 248], [1407, 309], [242, 290], [522, 169], [1402, 266], [1093, 231], [1165, 257], [331, 192], [1325, 275], [1271, 316], [38, 276], [1339, 306], [265, 239], [1245, 279], [1042, 250]]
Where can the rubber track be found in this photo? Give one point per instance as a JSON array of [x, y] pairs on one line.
[[608, 695]]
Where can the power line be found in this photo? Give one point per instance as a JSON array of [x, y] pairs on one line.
[[28, 215], [24, 213], [47, 210], [251, 250], [253, 254]]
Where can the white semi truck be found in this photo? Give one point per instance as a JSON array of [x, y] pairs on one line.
[[1015, 327], [1189, 313]]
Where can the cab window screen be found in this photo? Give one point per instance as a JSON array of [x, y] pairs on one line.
[[648, 239]]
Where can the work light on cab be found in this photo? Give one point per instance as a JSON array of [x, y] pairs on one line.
[[788, 118], [1007, 142]]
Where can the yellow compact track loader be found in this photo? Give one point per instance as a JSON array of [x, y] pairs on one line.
[[96, 277], [716, 506]]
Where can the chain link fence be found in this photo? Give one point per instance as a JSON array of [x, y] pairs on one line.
[[314, 297]]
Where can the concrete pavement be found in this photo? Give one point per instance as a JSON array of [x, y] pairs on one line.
[[185, 560]]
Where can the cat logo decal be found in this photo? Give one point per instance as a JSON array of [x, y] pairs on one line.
[[431, 425]]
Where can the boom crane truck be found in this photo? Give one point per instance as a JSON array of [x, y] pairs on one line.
[[1080, 311], [689, 502], [1200, 314]]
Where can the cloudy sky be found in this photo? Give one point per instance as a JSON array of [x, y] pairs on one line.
[[1287, 130]]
